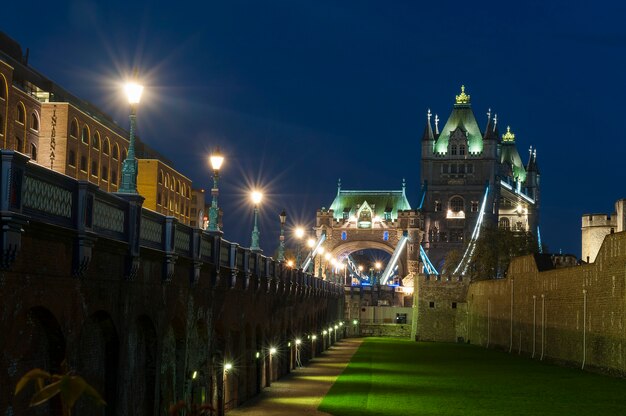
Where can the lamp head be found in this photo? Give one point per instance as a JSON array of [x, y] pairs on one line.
[[310, 242], [216, 159], [283, 217], [256, 197], [299, 232], [133, 92]]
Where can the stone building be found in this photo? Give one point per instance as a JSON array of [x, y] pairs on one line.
[[466, 171], [71, 136], [597, 226]]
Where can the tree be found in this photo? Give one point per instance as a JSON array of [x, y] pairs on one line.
[[495, 249]]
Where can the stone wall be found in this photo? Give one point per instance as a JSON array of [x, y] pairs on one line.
[[575, 315]]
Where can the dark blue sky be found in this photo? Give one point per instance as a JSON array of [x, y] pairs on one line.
[[300, 93]]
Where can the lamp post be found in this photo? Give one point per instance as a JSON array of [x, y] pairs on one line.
[[378, 266], [128, 184], [281, 244], [256, 199], [299, 233], [327, 257], [319, 270], [216, 160]]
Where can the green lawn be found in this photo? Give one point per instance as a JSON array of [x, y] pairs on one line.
[[400, 378]]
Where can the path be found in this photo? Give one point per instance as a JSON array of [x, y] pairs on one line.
[[301, 392]]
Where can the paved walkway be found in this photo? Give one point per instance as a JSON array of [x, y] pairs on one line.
[[301, 392]]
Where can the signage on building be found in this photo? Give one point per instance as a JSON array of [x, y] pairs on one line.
[[53, 136]]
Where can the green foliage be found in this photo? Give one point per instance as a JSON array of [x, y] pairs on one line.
[[395, 377], [68, 385], [495, 249]]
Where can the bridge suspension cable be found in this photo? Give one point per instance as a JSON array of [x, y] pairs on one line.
[[469, 251], [313, 252], [394, 259]]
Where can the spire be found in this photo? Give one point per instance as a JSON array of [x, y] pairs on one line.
[[338, 186], [532, 161], [428, 130], [490, 132], [437, 124], [403, 186], [495, 122]]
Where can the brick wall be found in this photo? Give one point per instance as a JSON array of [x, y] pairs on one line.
[[573, 315]]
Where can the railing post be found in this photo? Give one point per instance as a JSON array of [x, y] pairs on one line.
[[83, 221], [133, 227], [169, 248], [196, 254]]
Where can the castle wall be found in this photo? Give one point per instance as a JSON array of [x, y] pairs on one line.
[[574, 315], [594, 228]]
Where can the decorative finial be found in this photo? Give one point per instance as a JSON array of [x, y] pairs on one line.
[[436, 124], [508, 136], [488, 115], [463, 98], [535, 154], [428, 115], [403, 183], [530, 150], [339, 185], [495, 121]]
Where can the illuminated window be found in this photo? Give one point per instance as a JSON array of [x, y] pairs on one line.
[[456, 204], [504, 223]]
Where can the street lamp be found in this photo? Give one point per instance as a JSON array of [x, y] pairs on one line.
[[216, 160], [320, 252], [327, 257], [281, 244], [378, 266], [299, 233], [128, 184], [256, 199]]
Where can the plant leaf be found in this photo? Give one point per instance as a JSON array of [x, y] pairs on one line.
[[46, 393], [72, 387], [34, 374], [93, 393]]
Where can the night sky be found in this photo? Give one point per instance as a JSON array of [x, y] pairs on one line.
[[300, 93]]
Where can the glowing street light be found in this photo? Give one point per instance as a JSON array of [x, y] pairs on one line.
[[216, 159], [228, 367], [290, 263], [128, 184], [256, 197], [272, 350]]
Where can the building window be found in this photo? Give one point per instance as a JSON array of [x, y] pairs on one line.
[[105, 173], [453, 305], [474, 206], [33, 152], [453, 150], [21, 114], [456, 236], [456, 204], [3, 91], [462, 168], [116, 152], [177, 187], [437, 206], [124, 154], [18, 144], [462, 150], [453, 168], [94, 168], [387, 216], [167, 179], [470, 168], [83, 163], [344, 235], [71, 158], [160, 177], [106, 149], [158, 198], [34, 122], [74, 128], [445, 168], [114, 176], [504, 223], [431, 305], [345, 215], [386, 236], [84, 137], [95, 141]]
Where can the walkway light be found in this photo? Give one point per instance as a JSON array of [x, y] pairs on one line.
[[281, 241], [216, 159], [128, 183], [256, 197]]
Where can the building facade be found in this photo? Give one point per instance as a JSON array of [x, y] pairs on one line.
[[597, 226], [470, 176], [66, 134]]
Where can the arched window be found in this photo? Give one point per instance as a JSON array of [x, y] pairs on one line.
[[71, 158], [160, 177], [167, 180], [125, 154], [19, 144], [33, 151], [114, 176], [74, 128], [456, 204], [504, 223], [21, 114], [105, 173], [85, 136], [3, 87], [106, 149], [95, 141], [462, 149], [1, 125], [116, 152], [34, 122], [177, 187], [94, 168], [159, 198], [172, 184], [83, 163]]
